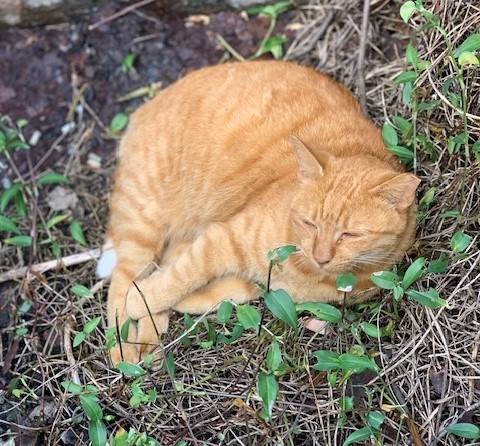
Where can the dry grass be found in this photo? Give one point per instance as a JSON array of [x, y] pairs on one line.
[[430, 368]]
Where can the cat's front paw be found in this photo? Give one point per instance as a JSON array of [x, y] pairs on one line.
[[136, 306], [149, 331]]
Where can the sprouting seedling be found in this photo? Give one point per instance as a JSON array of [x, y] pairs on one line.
[[87, 329]]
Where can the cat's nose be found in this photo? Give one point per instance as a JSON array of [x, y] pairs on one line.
[[322, 257]]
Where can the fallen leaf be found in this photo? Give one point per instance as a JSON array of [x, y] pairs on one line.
[[314, 324], [61, 198]]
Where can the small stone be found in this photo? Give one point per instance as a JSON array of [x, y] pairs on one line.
[[35, 138], [94, 161], [67, 128]]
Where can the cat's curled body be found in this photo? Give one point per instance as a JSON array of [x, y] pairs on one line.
[[232, 161]]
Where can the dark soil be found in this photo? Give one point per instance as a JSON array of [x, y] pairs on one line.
[[40, 66]]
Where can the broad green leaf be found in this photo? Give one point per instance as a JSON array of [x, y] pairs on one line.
[[97, 433], [326, 360], [148, 361], [405, 155], [20, 205], [384, 279], [110, 338], [19, 240], [375, 419], [81, 290], [131, 370], [324, 312], [406, 11], [224, 311], [279, 255], [360, 434], [349, 361], [414, 272], [71, 387], [407, 92], [345, 282], [51, 178], [91, 407], [77, 232], [90, 325], [119, 122], [55, 220], [471, 43], [430, 298], [248, 316], [237, 332], [465, 430], [8, 195], [267, 388], [460, 241], [282, 307], [346, 403], [274, 356], [438, 266], [7, 225], [78, 339], [389, 135], [406, 76]]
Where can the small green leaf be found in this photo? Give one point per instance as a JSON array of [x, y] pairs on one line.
[[110, 338], [384, 279], [7, 225], [438, 266], [324, 312], [81, 290], [248, 316], [78, 339], [267, 388], [20, 205], [405, 155], [282, 307], [91, 407], [430, 298], [450, 214], [77, 232], [22, 241], [124, 330], [403, 125], [326, 360], [273, 45], [346, 403], [55, 220], [360, 434], [97, 433], [71, 387], [346, 282], [406, 11], [398, 292], [465, 430], [8, 195], [131, 370], [460, 241], [119, 122], [148, 361], [411, 55], [169, 364], [128, 61], [224, 311], [274, 356], [90, 325], [3, 142], [471, 43], [279, 255], [349, 361], [51, 178], [406, 76], [427, 198], [21, 331], [375, 419], [389, 135], [373, 330], [414, 272]]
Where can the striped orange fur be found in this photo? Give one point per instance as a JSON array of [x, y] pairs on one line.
[[234, 160]]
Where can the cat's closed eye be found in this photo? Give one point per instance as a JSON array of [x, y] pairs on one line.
[[309, 223], [347, 235]]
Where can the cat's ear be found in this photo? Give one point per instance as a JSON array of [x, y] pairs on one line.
[[308, 165], [399, 190]]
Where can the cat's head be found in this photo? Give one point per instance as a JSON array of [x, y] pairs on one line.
[[351, 214]]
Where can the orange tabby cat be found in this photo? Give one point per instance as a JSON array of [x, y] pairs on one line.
[[235, 160]]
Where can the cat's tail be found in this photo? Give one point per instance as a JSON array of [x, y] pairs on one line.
[[107, 260]]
